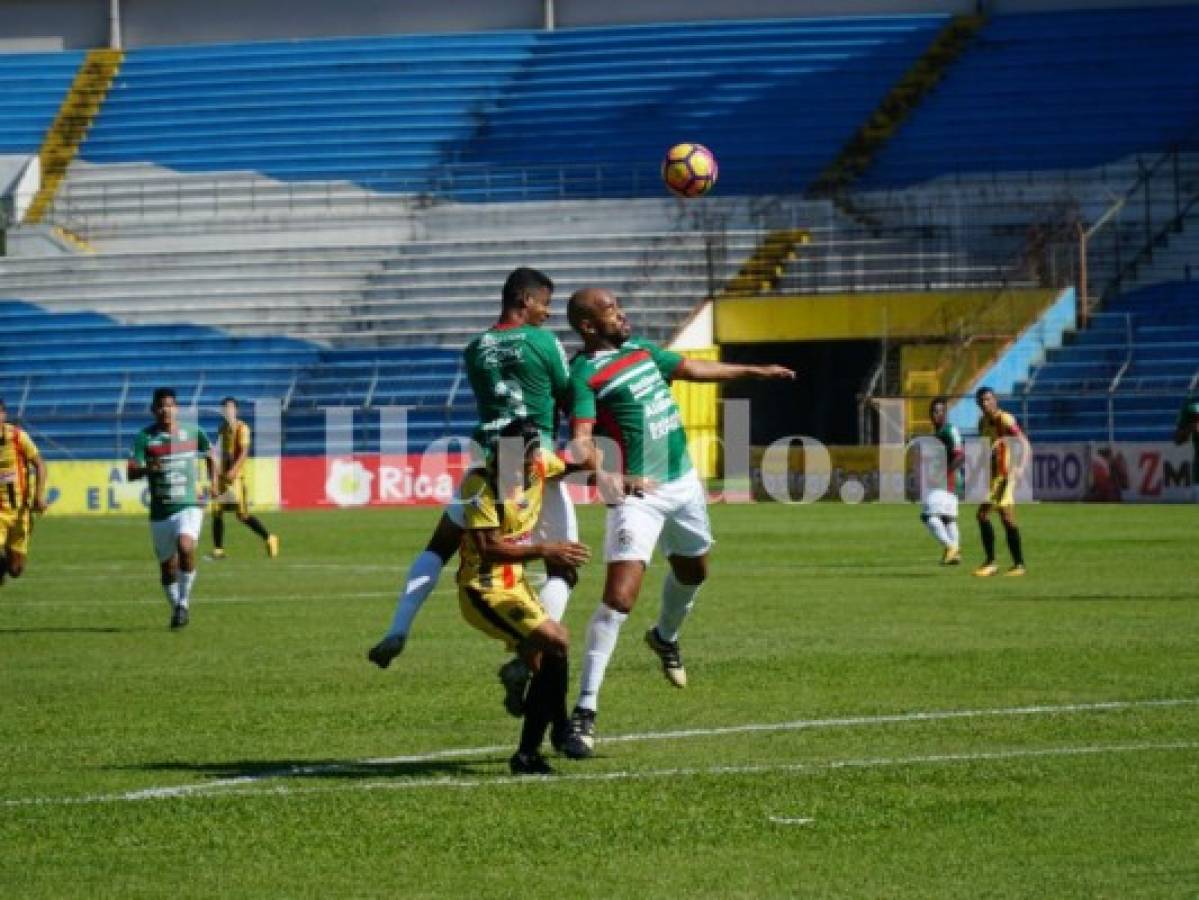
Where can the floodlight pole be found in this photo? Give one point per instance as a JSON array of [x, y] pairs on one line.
[[547, 5], [114, 24]]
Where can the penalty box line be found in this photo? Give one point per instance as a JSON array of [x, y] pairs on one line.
[[231, 785]]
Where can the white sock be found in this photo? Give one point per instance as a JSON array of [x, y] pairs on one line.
[[937, 529], [677, 600], [172, 592], [952, 530], [421, 580], [186, 580], [602, 631], [554, 594]]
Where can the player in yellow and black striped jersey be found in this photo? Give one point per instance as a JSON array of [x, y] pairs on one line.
[[233, 438], [1000, 429], [501, 505], [19, 499]]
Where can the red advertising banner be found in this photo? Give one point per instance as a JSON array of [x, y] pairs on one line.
[[318, 482]]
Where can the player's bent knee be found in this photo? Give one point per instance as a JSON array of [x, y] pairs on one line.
[[690, 570]]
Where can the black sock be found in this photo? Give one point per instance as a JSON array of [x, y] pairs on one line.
[[218, 532], [544, 702], [1013, 543], [988, 532], [257, 527]]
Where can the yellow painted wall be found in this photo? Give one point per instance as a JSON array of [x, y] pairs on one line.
[[893, 314], [701, 417], [99, 487]]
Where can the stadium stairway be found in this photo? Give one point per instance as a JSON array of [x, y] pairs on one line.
[[1141, 355]]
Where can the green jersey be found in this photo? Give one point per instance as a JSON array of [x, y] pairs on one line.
[[1188, 416], [626, 393], [174, 486], [955, 459], [516, 372]]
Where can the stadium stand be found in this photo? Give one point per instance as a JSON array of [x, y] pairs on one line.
[[1124, 376], [32, 86], [81, 381], [1059, 91], [516, 115]]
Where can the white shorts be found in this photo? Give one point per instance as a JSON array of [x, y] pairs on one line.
[[940, 503], [166, 532], [673, 515], [557, 522]]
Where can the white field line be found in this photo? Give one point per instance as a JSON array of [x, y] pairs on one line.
[[199, 600], [251, 790], [333, 769]]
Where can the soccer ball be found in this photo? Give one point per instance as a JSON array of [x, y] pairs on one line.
[[689, 170]]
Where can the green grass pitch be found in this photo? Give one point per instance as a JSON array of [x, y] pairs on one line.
[[859, 722]]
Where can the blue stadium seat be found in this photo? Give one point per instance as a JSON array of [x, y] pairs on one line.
[[81, 382], [32, 88], [1056, 90], [577, 112], [1069, 398]]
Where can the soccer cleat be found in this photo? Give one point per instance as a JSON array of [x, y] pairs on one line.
[[217, 553], [951, 557], [986, 570], [529, 764], [272, 545], [668, 652], [1015, 571], [179, 617], [580, 740], [514, 676], [386, 650]]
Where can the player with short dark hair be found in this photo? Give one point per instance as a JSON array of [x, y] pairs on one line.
[[19, 499], [998, 429], [502, 503], [233, 437], [516, 369], [166, 453], [939, 511], [620, 389]]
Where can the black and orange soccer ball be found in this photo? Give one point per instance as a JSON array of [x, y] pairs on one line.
[[689, 170]]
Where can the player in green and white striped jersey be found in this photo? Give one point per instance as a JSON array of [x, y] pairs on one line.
[[621, 389], [167, 454], [945, 485], [1187, 428]]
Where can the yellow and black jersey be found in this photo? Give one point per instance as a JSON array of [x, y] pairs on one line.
[[233, 440], [515, 516], [17, 453], [992, 429]]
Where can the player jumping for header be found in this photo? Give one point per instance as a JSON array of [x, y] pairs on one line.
[[620, 387]]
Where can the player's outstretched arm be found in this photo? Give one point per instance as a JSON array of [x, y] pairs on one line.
[[710, 370], [496, 551]]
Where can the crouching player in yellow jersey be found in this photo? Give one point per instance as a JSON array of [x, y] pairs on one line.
[[501, 505], [18, 499], [234, 439]]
